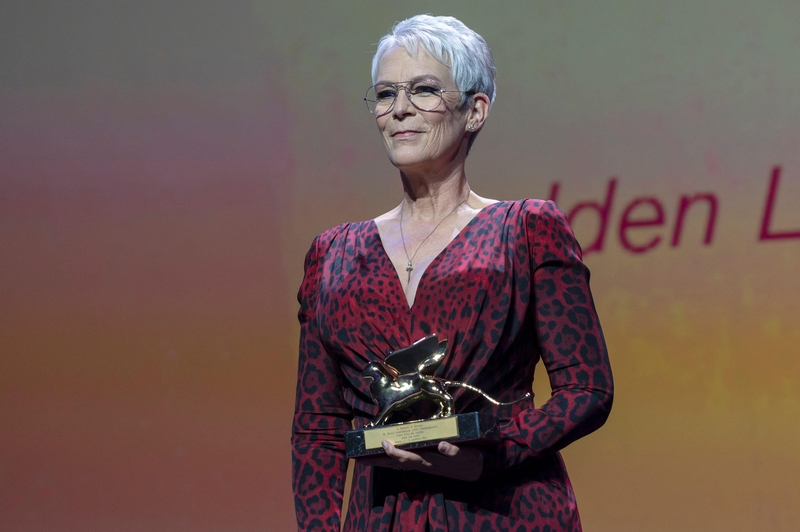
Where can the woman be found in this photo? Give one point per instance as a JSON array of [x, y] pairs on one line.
[[502, 281]]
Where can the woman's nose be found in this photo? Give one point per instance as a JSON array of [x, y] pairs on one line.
[[402, 104]]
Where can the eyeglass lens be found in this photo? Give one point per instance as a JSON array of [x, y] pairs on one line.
[[425, 95]]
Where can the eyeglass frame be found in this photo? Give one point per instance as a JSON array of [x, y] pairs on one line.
[[403, 85]]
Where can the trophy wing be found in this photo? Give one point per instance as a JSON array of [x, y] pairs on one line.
[[430, 364], [410, 359]]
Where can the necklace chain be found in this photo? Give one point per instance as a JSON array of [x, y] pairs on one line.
[[410, 265]]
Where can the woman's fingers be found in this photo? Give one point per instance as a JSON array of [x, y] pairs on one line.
[[444, 448], [447, 449], [447, 460], [404, 457]]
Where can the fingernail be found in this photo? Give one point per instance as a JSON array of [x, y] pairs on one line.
[[385, 444], [444, 447]]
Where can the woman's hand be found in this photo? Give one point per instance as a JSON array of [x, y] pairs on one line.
[[446, 460]]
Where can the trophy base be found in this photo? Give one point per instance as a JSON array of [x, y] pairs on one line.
[[470, 427]]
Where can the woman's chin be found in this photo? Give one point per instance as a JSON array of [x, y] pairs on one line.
[[410, 156], [405, 161]]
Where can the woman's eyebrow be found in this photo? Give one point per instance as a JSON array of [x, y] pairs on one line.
[[415, 78]]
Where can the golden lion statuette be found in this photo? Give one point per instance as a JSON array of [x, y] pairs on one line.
[[404, 378]]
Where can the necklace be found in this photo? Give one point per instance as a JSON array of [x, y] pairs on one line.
[[410, 265]]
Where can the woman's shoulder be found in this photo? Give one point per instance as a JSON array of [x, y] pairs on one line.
[[340, 233], [535, 205], [528, 208], [539, 219], [547, 227]]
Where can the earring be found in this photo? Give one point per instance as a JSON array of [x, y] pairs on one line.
[[471, 127]]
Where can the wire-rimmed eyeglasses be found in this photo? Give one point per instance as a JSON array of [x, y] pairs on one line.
[[424, 94]]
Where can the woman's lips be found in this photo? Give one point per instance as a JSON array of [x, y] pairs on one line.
[[405, 134]]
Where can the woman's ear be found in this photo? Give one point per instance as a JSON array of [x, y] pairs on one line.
[[478, 111]]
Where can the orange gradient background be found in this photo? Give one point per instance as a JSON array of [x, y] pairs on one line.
[[165, 165]]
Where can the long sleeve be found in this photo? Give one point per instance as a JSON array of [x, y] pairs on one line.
[[321, 416], [571, 345]]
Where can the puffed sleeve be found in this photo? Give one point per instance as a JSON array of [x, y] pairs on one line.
[[570, 343], [321, 416]]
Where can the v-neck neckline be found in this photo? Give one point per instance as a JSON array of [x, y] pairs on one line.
[[396, 275]]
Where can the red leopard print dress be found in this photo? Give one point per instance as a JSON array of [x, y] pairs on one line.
[[508, 290]]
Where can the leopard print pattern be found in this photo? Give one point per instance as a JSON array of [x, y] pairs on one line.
[[509, 290]]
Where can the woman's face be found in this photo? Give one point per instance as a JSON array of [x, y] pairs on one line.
[[417, 139]]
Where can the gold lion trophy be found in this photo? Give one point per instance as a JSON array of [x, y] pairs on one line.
[[404, 378]]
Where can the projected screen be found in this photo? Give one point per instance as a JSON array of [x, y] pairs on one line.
[[165, 167]]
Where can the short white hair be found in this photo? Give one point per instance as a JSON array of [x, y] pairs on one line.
[[448, 40]]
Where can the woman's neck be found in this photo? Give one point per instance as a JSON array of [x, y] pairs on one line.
[[431, 197]]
